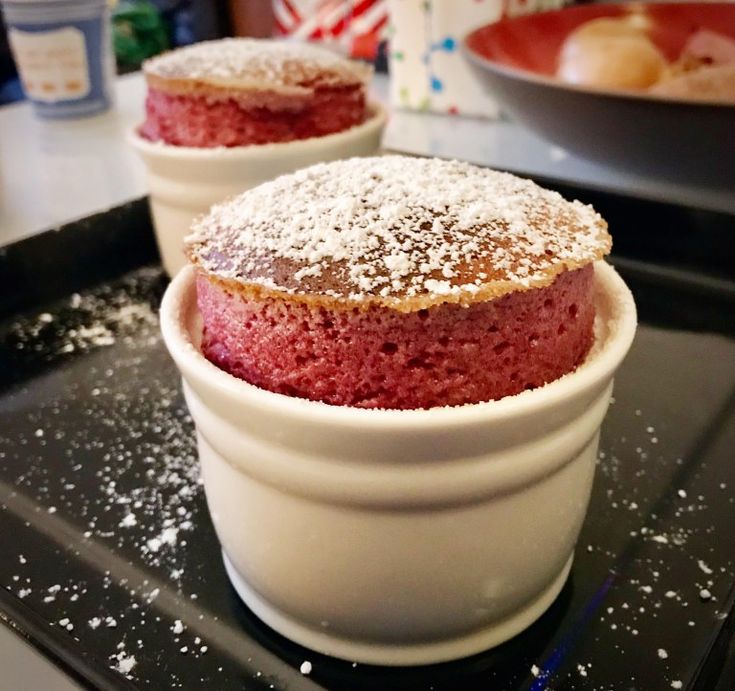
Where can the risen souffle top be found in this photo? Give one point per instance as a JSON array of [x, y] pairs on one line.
[[403, 232]]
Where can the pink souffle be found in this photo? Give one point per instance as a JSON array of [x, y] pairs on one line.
[[240, 92], [195, 121], [381, 358], [398, 283], [198, 122]]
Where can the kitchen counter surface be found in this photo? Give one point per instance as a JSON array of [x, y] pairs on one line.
[[55, 172]]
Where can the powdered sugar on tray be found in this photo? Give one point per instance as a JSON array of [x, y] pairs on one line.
[[124, 663], [396, 227], [643, 608], [89, 321], [126, 472], [244, 62], [101, 434]]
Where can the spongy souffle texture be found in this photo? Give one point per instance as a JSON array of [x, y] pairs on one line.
[[198, 122], [238, 92], [398, 283], [380, 358]]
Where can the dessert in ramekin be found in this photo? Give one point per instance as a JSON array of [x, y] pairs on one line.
[[240, 91], [357, 526], [398, 282], [223, 116]]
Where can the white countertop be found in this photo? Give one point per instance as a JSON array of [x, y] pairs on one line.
[[54, 172], [25, 669], [57, 171]]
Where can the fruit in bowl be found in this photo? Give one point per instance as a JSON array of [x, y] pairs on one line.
[[648, 87]]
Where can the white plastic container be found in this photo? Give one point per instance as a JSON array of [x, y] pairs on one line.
[[63, 51], [185, 181], [398, 537]]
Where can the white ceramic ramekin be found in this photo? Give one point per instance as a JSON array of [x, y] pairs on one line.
[[398, 537], [185, 181]]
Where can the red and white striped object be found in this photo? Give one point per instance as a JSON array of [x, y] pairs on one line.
[[356, 27]]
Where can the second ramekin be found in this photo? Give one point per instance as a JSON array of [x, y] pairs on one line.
[[185, 181]]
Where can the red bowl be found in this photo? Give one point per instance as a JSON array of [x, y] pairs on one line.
[[517, 59]]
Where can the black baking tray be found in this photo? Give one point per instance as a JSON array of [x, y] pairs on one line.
[[94, 429]]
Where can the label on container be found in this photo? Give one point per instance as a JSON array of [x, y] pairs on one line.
[[52, 64]]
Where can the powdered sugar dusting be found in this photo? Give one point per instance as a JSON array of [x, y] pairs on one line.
[[389, 228], [258, 63], [124, 663]]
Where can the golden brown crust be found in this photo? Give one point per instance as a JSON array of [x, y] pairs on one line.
[[487, 292], [280, 99], [398, 232], [237, 68]]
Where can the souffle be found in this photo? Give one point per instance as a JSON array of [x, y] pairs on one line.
[[397, 282], [239, 91]]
